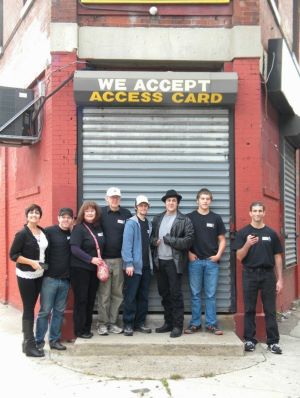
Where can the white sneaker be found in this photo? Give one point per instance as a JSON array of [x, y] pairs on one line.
[[102, 330], [114, 329]]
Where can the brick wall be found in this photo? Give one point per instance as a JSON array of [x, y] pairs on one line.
[[45, 173], [245, 12], [236, 13], [64, 11]]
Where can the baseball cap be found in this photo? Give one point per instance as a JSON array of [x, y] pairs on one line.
[[113, 191], [66, 211], [141, 199]]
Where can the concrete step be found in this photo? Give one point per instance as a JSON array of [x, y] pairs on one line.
[[157, 344], [161, 344]]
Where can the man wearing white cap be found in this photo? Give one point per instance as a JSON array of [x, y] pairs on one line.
[[110, 293], [137, 264]]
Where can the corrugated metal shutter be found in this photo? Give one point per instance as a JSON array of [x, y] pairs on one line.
[[289, 196], [148, 151]]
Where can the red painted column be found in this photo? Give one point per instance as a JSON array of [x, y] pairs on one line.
[[62, 122], [248, 165]]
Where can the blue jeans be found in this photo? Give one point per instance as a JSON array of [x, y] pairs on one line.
[[136, 291], [53, 300], [203, 273]]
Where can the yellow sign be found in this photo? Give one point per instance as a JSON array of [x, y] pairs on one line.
[[146, 97], [150, 2]]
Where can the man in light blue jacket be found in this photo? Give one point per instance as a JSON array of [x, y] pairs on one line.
[[137, 264]]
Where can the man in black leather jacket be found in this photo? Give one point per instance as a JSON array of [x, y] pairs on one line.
[[172, 236]]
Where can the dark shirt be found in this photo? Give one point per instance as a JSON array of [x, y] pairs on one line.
[[144, 225], [58, 252], [113, 223], [207, 228], [262, 253], [81, 238], [26, 245]]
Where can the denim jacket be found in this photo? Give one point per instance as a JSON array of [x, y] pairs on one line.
[[132, 245]]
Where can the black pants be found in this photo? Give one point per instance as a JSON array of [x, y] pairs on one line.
[[84, 284], [265, 281], [169, 288], [29, 291], [136, 291]]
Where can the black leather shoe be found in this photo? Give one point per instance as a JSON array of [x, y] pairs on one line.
[[31, 350], [176, 332], [56, 345], [143, 329], [164, 328], [40, 345], [87, 335], [128, 331]]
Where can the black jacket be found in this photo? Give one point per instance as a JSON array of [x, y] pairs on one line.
[[25, 245], [180, 239]]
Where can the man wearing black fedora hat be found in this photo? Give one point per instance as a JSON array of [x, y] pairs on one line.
[[172, 236]]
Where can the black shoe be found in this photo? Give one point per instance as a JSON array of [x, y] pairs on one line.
[[249, 346], [176, 332], [143, 329], [31, 349], [275, 349], [40, 345], [56, 345], [128, 331], [86, 335], [164, 328]]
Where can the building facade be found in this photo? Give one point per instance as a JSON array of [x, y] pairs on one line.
[[179, 94]]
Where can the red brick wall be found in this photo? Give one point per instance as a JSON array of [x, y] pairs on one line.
[[3, 235], [236, 13], [64, 11], [257, 174], [248, 161], [45, 173], [246, 12]]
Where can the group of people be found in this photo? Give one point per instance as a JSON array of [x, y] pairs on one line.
[[133, 247]]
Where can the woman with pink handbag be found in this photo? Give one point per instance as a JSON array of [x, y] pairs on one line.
[[87, 241]]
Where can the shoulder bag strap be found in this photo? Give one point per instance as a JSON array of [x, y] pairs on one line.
[[96, 242]]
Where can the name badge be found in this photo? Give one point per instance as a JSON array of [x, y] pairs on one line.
[[100, 234], [266, 238], [121, 221], [209, 225], [68, 237]]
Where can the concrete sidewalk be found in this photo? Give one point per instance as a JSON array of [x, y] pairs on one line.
[[68, 374]]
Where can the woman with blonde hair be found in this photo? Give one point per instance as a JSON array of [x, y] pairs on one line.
[[86, 238]]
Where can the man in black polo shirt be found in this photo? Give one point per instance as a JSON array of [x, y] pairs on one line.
[[259, 249], [110, 293], [204, 256], [56, 282]]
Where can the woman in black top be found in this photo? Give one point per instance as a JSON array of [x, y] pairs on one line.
[[84, 261], [28, 250]]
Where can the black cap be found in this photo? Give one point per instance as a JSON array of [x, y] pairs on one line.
[[66, 211], [171, 194]]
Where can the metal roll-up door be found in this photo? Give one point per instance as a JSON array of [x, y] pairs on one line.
[[148, 151], [289, 196]]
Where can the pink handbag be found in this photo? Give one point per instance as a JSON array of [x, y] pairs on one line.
[[102, 268]]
